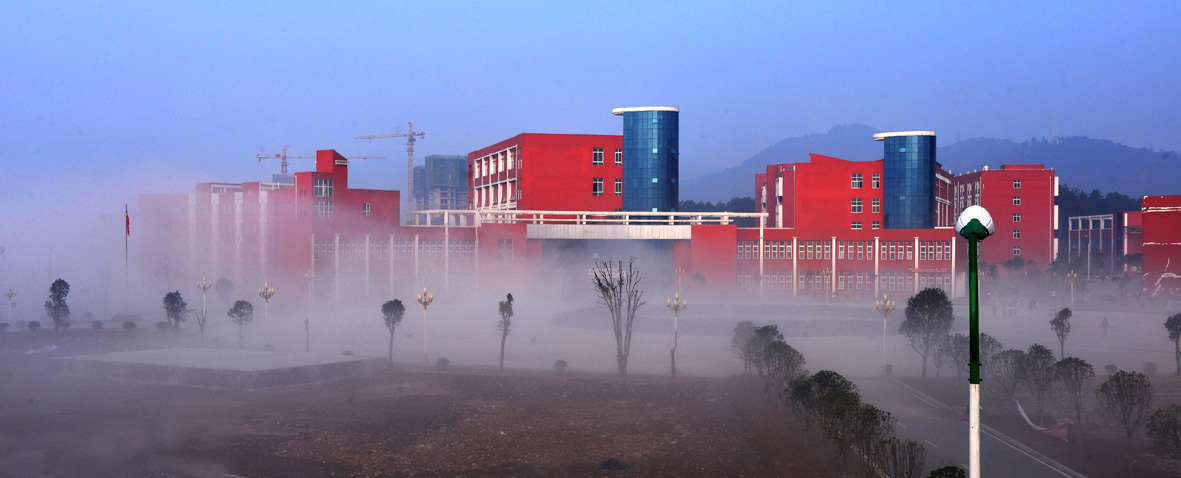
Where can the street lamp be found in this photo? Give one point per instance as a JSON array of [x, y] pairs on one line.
[[266, 292], [680, 272], [204, 285], [310, 275], [10, 294], [425, 300], [885, 306], [974, 224], [1071, 276], [676, 304]]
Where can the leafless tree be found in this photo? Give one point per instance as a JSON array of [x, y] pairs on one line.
[[741, 344], [505, 324], [618, 290], [1006, 368], [871, 426], [1126, 397], [902, 458]]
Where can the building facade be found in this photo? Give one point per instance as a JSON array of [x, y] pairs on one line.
[[1022, 201], [909, 166], [651, 143], [441, 183], [548, 172], [1161, 262]]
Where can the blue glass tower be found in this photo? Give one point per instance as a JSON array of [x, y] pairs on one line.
[[909, 177], [650, 158]]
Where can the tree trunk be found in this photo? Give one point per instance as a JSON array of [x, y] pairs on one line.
[[1061, 348], [673, 353], [1177, 354], [502, 339], [391, 352], [621, 363], [926, 351]]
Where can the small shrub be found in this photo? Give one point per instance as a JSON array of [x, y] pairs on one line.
[[1111, 369], [163, 326], [948, 472], [20, 324], [1150, 368], [1164, 428], [98, 324], [443, 363], [560, 366], [34, 326], [129, 325]]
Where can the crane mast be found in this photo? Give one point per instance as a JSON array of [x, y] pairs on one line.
[[410, 136]]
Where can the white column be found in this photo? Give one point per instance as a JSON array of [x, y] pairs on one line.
[[336, 267], [390, 255], [832, 279], [313, 266], [795, 273], [877, 263], [416, 258], [916, 264], [974, 430], [367, 265], [953, 279], [446, 251], [762, 225]]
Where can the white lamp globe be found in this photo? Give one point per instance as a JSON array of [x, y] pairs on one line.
[[975, 221]]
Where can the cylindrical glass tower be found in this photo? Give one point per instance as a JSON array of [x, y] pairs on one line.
[[909, 177], [650, 158]]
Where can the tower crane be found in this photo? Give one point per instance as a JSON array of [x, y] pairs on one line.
[[283, 157], [410, 136]]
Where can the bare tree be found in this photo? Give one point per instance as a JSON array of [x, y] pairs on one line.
[[928, 320], [1074, 376], [741, 344], [902, 458], [1126, 397], [1039, 375], [618, 291], [1173, 325], [241, 313], [1060, 324], [506, 322], [392, 313], [1007, 368]]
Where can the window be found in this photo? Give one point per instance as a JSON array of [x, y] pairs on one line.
[[619, 157], [856, 181], [1016, 200], [910, 252], [841, 250], [860, 250], [504, 250], [877, 205], [597, 157], [1016, 184], [322, 188], [1017, 217], [1016, 250], [1016, 234], [597, 187], [618, 187], [877, 224], [856, 205], [323, 208], [877, 181], [827, 250], [856, 225], [367, 208]]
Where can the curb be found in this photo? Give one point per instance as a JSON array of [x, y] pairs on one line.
[[1000, 436]]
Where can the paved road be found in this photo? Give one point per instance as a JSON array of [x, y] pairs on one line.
[[945, 433]]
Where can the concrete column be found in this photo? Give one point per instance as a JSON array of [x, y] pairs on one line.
[[390, 256], [313, 266], [916, 264], [416, 254], [833, 278], [953, 279], [336, 268], [762, 253], [795, 264], [446, 252], [877, 263], [367, 265]]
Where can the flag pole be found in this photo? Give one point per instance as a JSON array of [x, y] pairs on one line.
[[126, 238]]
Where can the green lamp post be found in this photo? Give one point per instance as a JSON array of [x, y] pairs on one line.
[[974, 224]]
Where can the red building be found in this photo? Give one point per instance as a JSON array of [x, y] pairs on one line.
[[1162, 246], [548, 172], [1021, 200]]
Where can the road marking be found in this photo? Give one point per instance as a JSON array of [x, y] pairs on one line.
[[901, 425], [963, 466], [921, 399], [932, 444], [1031, 457]]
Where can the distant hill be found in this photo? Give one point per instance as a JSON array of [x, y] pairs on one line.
[[852, 142], [1082, 162]]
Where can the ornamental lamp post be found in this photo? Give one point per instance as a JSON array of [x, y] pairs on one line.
[[425, 300], [885, 306], [266, 292], [974, 224], [676, 304], [1071, 276], [204, 285], [310, 275]]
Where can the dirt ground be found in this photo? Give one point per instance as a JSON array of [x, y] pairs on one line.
[[404, 421], [1097, 449]]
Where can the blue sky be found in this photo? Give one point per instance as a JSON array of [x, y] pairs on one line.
[[165, 94]]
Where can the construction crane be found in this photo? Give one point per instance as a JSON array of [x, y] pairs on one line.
[[283, 156], [410, 136]]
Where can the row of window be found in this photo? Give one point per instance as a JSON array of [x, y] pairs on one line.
[[845, 280], [856, 181], [354, 249], [857, 225], [597, 157], [597, 187], [496, 163], [855, 205], [850, 250]]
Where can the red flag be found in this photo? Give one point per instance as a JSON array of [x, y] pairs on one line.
[[128, 219]]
